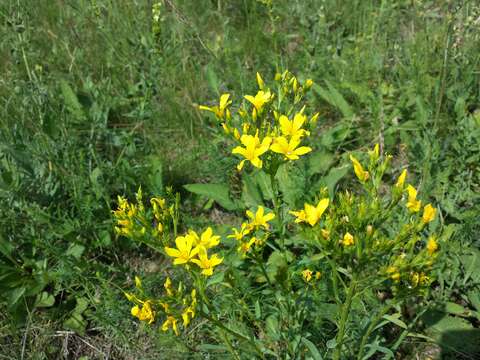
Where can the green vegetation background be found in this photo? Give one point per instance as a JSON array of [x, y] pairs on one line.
[[97, 98]]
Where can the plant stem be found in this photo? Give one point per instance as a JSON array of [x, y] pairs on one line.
[[277, 208], [264, 271], [370, 329], [334, 280], [343, 319], [233, 332]]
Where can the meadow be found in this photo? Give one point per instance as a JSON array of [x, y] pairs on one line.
[[102, 99]]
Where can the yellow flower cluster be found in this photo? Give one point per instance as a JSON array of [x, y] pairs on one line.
[[133, 220], [413, 204], [258, 220], [266, 128], [308, 274], [192, 248], [144, 310], [130, 217]]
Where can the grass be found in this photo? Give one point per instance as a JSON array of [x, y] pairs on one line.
[[93, 104]]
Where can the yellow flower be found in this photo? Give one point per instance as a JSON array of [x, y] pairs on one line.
[[289, 149], [168, 286], [375, 153], [362, 175], [132, 297], [138, 282], [318, 275], [145, 313], [432, 245], [184, 251], [253, 149], [311, 214], [393, 273], [347, 239], [428, 213], [205, 263], [246, 245], [413, 204], [293, 128], [401, 179], [260, 82], [424, 279], [171, 322], [206, 239], [325, 233], [314, 118], [307, 275], [414, 278], [260, 99], [260, 219], [219, 110], [308, 83], [238, 235]]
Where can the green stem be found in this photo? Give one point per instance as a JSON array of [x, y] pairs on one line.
[[343, 319], [277, 208], [334, 280], [264, 271], [371, 328], [239, 336]]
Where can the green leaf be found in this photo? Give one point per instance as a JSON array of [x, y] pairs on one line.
[[45, 300], [263, 182], [215, 278], [155, 176], [395, 319], [15, 295], [312, 348], [452, 333], [471, 263], [291, 183], [272, 327], [217, 192], [251, 195], [319, 163], [75, 323], [258, 311], [71, 100], [331, 180], [75, 250], [334, 98], [455, 309], [331, 344]]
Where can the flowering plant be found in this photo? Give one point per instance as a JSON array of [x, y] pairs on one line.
[[291, 282]]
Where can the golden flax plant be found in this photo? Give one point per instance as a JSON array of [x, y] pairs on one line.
[[319, 280]]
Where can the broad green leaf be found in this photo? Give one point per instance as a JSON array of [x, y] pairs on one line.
[[292, 184], [15, 295], [251, 195], [45, 300], [75, 250], [263, 181], [312, 348], [76, 323], [217, 192], [215, 278], [334, 98], [319, 163], [331, 180], [455, 309]]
